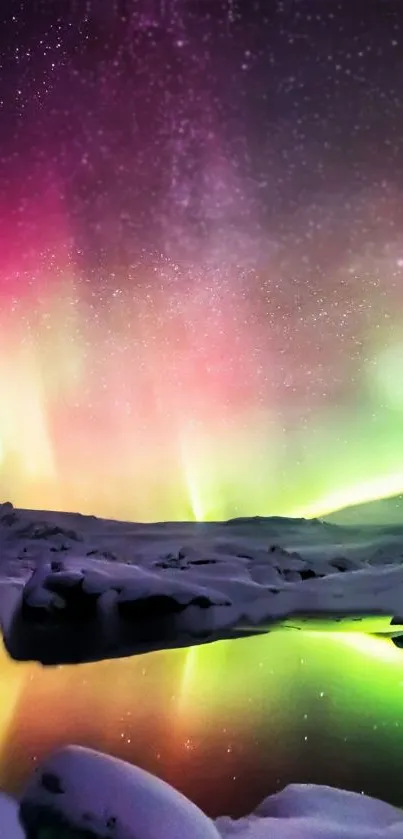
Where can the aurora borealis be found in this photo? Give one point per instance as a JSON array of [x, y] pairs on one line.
[[200, 279]]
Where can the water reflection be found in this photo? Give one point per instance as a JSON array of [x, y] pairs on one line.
[[226, 723]]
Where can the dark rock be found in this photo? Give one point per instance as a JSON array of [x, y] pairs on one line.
[[51, 783], [44, 530]]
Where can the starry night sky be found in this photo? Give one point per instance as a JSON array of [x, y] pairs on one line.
[[201, 258]]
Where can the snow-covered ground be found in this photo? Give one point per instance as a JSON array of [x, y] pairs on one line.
[[81, 793], [77, 588]]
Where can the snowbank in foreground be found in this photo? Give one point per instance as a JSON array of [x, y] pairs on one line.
[[313, 812], [75, 588], [107, 798]]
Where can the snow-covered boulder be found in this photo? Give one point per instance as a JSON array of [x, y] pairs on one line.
[[98, 795]]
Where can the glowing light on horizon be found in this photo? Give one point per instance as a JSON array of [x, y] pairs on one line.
[[372, 490], [64, 421], [63, 424]]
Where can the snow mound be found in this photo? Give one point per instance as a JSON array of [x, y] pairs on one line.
[[76, 588], [304, 811], [105, 797]]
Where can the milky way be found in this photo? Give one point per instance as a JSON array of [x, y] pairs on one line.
[[201, 257]]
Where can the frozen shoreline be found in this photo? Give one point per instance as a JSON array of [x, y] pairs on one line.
[[78, 589]]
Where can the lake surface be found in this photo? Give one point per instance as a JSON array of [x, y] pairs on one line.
[[227, 723]]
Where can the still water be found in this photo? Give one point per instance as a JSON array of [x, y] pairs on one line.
[[227, 723]]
